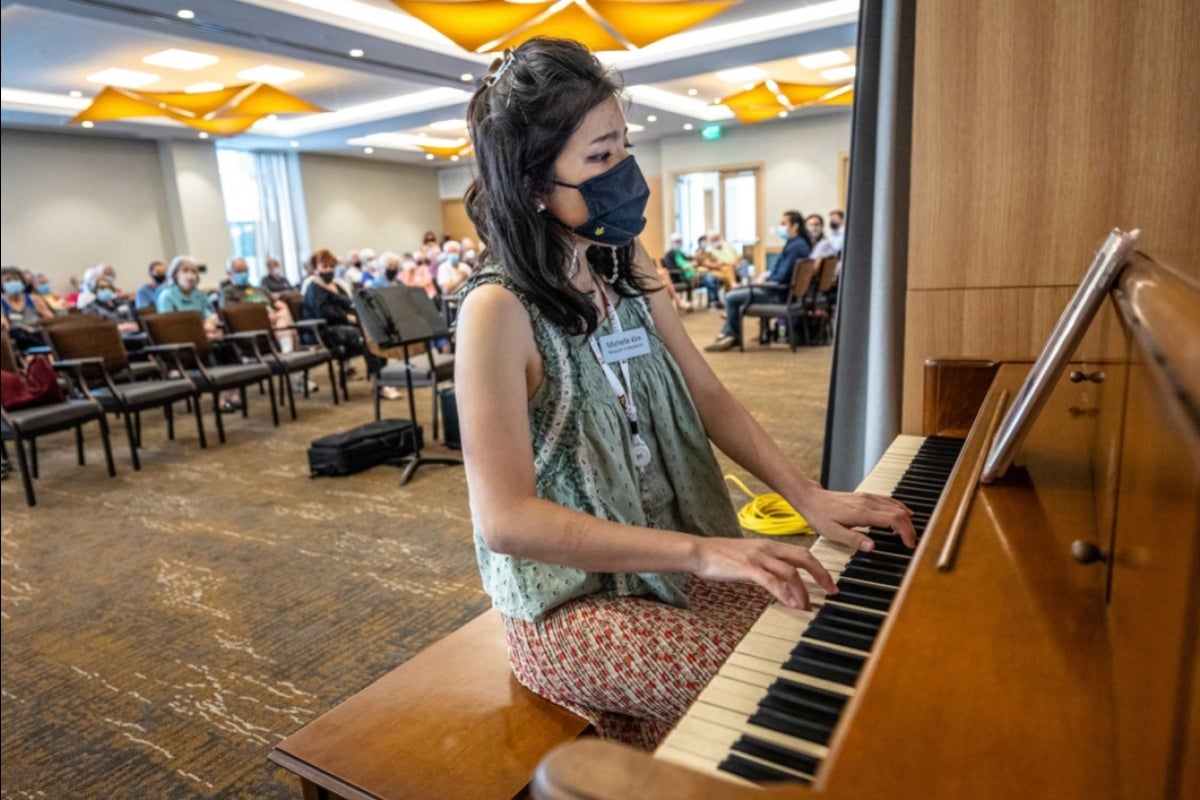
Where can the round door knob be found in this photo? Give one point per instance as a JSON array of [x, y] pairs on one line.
[[1086, 552]]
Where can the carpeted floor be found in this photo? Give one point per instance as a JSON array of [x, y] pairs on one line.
[[163, 629]]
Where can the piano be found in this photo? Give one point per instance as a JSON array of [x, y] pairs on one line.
[[1043, 640]]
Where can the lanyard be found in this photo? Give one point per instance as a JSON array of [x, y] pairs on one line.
[[639, 449]]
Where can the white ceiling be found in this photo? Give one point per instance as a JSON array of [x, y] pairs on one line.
[[408, 77]]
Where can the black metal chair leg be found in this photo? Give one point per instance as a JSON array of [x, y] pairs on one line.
[[217, 414], [274, 405], [199, 421], [108, 456], [434, 389], [33, 459], [286, 385], [378, 410], [245, 405], [79, 446], [333, 381], [169, 413], [304, 381], [26, 478], [133, 448], [137, 427]]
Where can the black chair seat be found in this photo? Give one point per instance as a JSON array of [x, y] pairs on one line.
[[393, 374], [143, 370], [305, 359], [37, 420], [229, 376], [145, 394], [772, 310]]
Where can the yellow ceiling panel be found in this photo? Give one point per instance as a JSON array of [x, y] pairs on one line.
[[643, 22], [474, 23]]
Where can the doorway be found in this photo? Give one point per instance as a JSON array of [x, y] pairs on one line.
[[728, 200]]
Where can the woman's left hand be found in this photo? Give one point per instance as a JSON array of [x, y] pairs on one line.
[[834, 514]]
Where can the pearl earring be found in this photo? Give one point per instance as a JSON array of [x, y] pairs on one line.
[[541, 207]]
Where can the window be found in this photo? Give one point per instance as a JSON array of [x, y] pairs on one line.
[[239, 187]]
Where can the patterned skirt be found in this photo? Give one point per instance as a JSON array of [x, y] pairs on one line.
[[632, 666]]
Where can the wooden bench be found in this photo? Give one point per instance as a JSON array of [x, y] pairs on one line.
[[450, 723]]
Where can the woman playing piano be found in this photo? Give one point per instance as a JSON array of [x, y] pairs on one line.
[[603, 528]]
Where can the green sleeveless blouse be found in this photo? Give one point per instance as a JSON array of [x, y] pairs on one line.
[[582, 458]]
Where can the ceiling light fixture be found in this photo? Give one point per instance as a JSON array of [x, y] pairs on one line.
[[651, 118], [186, 60], [89, 124], [368, 150], [679, 104], [466, 77], [126, 78], [449, 125], [429, 156], [633, 127], [454, 158], [185, 13], [693, 92], [839, 73], [687, 126], [829, 58], [742, 75], [203, 86], [356, 53], [203, 135], [493, 25], [76, 93], [294, 143], [269, 74], [226, 112]]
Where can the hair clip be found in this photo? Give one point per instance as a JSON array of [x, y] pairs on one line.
[[509, 58]]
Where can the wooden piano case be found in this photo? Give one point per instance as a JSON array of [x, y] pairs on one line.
[[1024, 671]]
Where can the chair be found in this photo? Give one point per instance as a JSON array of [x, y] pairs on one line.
[[96, 348], [437, 368], [135, 370], [821, 306], [249, 325], [794, 308], [318, 337], [182, 335], [22, 425]]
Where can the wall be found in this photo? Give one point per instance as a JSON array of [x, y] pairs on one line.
[[195, 206], [1037, 129], [68, 202], [360, 202]]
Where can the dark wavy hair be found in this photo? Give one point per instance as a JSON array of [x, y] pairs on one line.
[[519, 120]]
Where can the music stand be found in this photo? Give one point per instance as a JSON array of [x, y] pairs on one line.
[[401, 316]]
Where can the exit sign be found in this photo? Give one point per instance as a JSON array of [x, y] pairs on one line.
[[710, 132]]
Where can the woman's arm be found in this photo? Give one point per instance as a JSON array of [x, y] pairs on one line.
[[496, 355], [43, 309], [731, 428]]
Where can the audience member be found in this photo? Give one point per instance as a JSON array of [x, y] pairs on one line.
[[814, 229], [182, 293], [430, 238], [837, 230], [275, 281], [415, 272], [327, 299], [144, 298], [108, 305], [452, 274], [237, 289], [53, 301], [770, 287], [24, 310]]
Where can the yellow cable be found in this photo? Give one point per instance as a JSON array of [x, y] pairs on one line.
[[769, 514]]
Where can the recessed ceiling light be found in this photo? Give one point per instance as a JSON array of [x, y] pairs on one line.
[[633, 127], [203, 134], [87, 123], [174, 58], [130, 79], [203, 86], [688, 126], [693, 92], [75, 93], [741, 74], [651, 118], [747, 86], [429, 156], [449, 125], [269, 74], [356, 53], [838, 73], [454, 158], [294, 143], [782, 114], [368, 150], [185, 13], [830, 58], [466, 77]]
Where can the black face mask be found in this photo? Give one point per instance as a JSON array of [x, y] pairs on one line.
[[391, 274], [158, 278], [833, 226], [616, 204], [327, 277]]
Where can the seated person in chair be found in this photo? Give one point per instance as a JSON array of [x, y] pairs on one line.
[[237, 289], [24, 310], [111, 307], [326, 298], [770, 287]]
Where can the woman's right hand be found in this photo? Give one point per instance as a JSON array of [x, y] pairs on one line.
[[772, 565]]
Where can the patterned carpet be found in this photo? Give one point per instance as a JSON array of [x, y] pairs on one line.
[[163, 629]]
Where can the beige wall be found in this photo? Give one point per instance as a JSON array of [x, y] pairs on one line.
[[68, 202], [195, 206], [359, 202]]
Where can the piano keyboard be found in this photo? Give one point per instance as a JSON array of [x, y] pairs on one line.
[[769, 713]]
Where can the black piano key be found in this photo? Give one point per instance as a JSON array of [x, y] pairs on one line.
[[821, 662], [822, 704], [879, 563], [785, 721], [753, 771], [851, 619], [776, 754], [877, 592], [848, 596], [888, 542], [861, 573], [836, 634]]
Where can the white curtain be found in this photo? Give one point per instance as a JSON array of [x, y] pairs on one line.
[[282, 230], [863, 415]]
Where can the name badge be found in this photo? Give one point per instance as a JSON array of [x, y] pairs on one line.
[[624, 345]]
